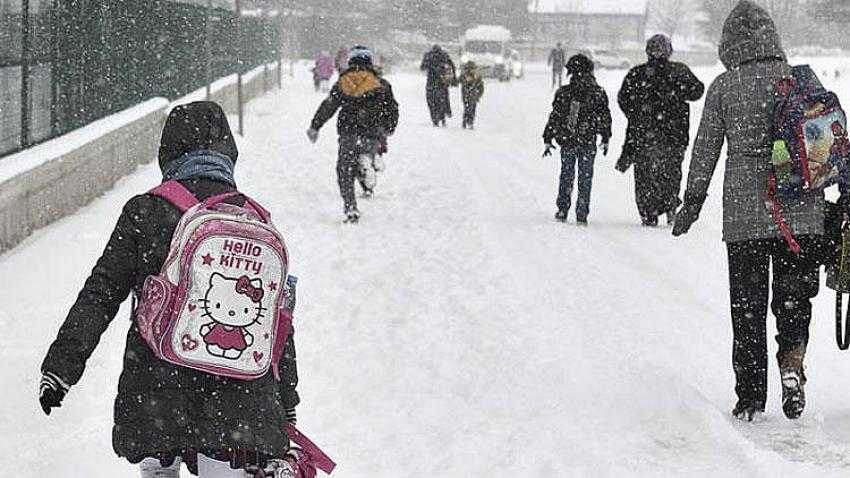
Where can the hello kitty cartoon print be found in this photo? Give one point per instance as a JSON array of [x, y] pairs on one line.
[[221, 304], [232, 305]]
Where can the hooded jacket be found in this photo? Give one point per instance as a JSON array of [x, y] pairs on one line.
[[366, 104], [738, 109], [571, 128], [163, 410]]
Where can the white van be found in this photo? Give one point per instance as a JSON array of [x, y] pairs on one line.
[[489, 47]]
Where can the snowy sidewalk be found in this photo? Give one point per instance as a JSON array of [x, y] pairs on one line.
[[458, 330]]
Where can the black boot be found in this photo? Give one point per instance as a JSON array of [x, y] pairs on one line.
[[747, 410], [561, 215]]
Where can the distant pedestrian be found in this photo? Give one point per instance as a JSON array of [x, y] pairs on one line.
[[654, 98], [323, 70], [472, 89], [341, 59], [580, 113], [368, 114], [440, 68], [557, 60]]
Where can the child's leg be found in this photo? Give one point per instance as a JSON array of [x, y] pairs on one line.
[[568, 173], [150, 468], [586, 159], [209, 468]]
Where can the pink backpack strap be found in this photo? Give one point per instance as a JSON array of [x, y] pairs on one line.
[[176, 194], [317, 456], [264, 214]]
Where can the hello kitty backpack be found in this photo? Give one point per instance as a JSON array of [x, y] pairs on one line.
[[223, 301]]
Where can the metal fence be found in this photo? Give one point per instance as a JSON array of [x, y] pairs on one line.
[[66, 63]]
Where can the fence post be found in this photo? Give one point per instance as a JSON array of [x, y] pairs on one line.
[[54, 67], [25, 73], [207, 52], [239, 43]]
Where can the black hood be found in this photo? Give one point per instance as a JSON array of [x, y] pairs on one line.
[[196, 126]]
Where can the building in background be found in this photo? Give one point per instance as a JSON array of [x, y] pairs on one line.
[[589, 24]]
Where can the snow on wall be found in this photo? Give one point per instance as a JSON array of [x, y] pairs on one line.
[[589, 7]]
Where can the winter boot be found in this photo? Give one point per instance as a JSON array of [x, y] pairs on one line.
[[748, 410], [367, 172], [793, 381], [671, 218], [581, 221], [352, 216], [650, 221], [561, 215]]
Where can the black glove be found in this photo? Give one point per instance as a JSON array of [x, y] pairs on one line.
[[605, 148], [548, 151], [51, 392], [687, 215]]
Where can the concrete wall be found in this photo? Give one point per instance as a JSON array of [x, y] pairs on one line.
[[54, 179]]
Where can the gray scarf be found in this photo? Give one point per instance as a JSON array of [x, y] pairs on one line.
[[202, 164]]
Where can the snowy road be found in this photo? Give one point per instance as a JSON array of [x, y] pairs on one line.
[[458, 330]]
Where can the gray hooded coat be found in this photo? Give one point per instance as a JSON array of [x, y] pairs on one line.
[[738, 109]]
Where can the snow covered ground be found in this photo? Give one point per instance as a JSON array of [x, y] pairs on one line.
[[458, 330]]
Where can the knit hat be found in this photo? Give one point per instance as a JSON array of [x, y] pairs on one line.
[[659, 47], [579, 64], [360, 55]]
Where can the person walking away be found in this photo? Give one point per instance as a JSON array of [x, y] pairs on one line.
[[323, 70], [441, 74], [557, 60], [738, 108], [472, 89], [654, 98], [368, 114], [580, 113], [341, 59], [166, 414]]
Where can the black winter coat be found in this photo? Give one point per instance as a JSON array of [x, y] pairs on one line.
[[580, 112], [161, 409], [654, 98], [440, 68], [366, 102]]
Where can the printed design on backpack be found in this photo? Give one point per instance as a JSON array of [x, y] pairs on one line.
[[222, 302], [232, 305], [810, 145], [234, 282]]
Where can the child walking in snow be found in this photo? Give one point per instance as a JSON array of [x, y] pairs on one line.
[[166, 414], [580, 113], [472, 89]]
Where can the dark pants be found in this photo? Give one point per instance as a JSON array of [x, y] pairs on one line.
[[469, 108], [658, 181], [351, 148], [584, 157], [795, 281], [439, 103], [557, 77]]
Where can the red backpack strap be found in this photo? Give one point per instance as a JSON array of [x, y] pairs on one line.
[[176, 194]]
